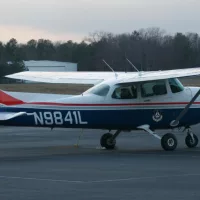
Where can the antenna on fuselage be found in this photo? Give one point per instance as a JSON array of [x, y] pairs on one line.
[[133, 66], [110, 67]]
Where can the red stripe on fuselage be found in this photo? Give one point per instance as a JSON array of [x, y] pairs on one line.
[[127, 104]]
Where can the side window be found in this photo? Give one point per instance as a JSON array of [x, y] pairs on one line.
[[125, 92], [175, 85], [101, 90], [153, 88]]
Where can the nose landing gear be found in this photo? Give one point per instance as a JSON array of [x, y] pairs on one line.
[[191, 140]]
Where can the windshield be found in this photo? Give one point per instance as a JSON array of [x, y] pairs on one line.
[[175, 85]]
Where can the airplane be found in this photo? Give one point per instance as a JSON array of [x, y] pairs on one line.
[[118, 101]]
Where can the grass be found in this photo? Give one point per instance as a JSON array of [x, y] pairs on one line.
[[46, 88]]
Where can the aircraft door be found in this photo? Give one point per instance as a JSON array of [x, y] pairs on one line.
[[125, 97], [125, 93], [152, 94], [153, 91]]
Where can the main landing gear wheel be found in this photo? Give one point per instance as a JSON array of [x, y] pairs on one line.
[[190, 141], [169, 142], [107, 141]]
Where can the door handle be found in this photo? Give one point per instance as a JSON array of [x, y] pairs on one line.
[[147, 100]]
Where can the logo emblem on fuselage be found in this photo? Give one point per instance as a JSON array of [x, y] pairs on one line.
[[157, 116]]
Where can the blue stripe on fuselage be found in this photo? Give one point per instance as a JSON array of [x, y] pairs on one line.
[[99, 119]]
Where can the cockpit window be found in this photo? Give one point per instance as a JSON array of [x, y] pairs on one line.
[[152, 88], [125, 92], [175, 85], [101, 90]]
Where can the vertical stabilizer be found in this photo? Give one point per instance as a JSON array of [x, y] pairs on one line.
[[8, 100]]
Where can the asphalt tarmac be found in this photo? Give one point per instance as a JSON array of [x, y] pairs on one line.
[[44, 164]]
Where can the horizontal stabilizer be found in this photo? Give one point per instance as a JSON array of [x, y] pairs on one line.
[[10, 115]]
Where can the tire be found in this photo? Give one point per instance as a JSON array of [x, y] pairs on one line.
[[169, 142], [190, 142], [106, 141]]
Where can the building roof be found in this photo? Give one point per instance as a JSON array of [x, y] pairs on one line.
[[46, 63]]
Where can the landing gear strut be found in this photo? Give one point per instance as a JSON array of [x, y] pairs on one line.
[[191, 140], [168, 141], [108, 140]]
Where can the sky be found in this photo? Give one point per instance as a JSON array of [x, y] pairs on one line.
[[63, 20]]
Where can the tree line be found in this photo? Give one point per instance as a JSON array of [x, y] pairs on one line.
[[147, 49]]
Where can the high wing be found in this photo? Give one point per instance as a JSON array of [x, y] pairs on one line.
[[10, 115], [159, 75], [97, 77], [65, 77]]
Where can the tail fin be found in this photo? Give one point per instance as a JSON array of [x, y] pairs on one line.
[[8, 100]]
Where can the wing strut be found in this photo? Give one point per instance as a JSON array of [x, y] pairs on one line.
[[184, 111]]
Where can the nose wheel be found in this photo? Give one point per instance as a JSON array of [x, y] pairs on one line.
[[191, 140]]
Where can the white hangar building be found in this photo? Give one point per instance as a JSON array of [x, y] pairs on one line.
[[49, 66]]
